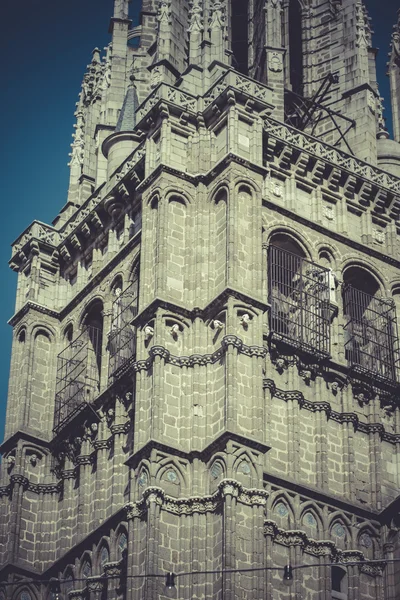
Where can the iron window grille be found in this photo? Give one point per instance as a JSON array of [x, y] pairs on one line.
[[122, 337], [371, 338], [78, 374], [299, 298]]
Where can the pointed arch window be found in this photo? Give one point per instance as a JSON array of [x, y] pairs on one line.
[[122, 337], [371, 337], [299, 298]]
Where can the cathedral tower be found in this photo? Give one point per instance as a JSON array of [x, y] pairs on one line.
[[205, 365]]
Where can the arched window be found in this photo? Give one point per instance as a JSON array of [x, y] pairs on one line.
[[122, 544], [299, 297], [86, 569], [339, 583], [370, 325], [104, 556]]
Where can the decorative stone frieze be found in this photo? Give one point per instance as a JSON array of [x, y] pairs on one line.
[[315, 406]]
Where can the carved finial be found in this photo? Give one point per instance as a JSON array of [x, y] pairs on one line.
[[217, 19], [196, 16], [164, 11]]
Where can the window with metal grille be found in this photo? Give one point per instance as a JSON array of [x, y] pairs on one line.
[[122, 337], [78, 374], [371, 339], [299, 298]]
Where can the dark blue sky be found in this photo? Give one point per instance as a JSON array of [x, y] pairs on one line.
[[46, 45]]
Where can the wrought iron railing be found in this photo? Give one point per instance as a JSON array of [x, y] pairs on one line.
[[371, 338], [122, 337], [299, 298], [78, 374]]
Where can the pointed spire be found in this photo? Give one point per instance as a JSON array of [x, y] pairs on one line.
[[127, 117]]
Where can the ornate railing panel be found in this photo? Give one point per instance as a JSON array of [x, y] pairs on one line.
[[371, 338], [299, 298], [122, 338], [78, 374]]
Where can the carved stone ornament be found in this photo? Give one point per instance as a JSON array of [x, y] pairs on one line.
[[175, 330], [217, 325], [329, 212], [155, 77], [373, 569], [164, 11], [378, 235], [281, 364], [10, 462], [245, 320], [112, 569], [148, 333], [196, 20], [95, 584], [277, 190], [371, 101], [336, 387], [217, 19], [275, 62], [33, 459]]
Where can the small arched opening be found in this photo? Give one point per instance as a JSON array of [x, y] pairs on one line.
[[339, 583]]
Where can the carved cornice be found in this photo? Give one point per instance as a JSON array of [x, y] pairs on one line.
[[45, 488], [196, 504], [218, 444], [348, 163], [316, 406], [90, 286], [207, 312]]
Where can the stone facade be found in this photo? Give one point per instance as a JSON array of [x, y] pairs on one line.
[[205, 364]]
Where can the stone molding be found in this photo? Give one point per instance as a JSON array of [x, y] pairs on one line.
[[288, 538], [368, 428], [113, 569], [196, 504], [199, 359], [95, 583]]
